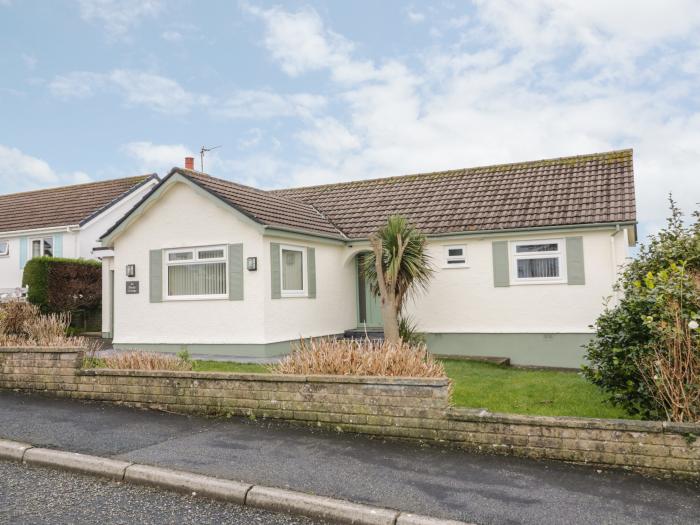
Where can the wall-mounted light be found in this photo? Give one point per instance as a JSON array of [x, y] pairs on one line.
[[131, 270], [252, 264]]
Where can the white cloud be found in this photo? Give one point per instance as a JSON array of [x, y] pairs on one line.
[[17, 169], [171, 36], [526, 81], [154, 91], [118, 16], [415, 17], [22, 172], [80, 177], [329, 138], [76, 85], [266, 104], [138, 88], [157, 157]]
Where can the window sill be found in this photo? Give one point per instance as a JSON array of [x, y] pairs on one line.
[[535, 281], [195, 298], [455, 267], [294, 296]]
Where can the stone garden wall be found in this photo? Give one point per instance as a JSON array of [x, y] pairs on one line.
[[408, 408]]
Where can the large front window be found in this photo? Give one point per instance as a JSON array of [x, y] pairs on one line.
[[42, 247], [293, 273], [196, 273], [538, 261]]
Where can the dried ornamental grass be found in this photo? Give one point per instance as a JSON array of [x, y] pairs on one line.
[[359, 357], [14, 314], [145, 361]]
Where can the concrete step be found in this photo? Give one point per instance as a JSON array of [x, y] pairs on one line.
[[360, 333]]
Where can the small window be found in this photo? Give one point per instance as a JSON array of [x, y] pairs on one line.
[[293, 271], [196, 273], [538, 261], [42, 247], [455, 256], [4, 248]]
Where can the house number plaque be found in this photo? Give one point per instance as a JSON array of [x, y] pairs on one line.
[[132, 287]]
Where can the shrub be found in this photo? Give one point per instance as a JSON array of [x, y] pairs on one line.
[[13, 316], [145, 361], [361, 357], [408, 330], [48, 329], [60, 285], [671, 371], [624, 339]]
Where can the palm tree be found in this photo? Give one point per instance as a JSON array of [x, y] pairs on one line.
[[397, 268]]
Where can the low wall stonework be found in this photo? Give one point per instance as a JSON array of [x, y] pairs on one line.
[[405, 408]]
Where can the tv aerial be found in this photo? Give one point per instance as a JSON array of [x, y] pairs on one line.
[[201, 155]]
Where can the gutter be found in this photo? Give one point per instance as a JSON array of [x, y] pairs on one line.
[[509, 231], [52, 229]]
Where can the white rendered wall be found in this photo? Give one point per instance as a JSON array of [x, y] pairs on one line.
[[464, 300], [181, 218], [332, 311], [10, 271]]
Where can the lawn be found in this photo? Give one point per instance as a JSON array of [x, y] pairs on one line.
[[228, 366], [499, 389], [522, 391]]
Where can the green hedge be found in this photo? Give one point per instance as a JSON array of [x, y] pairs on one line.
[[63, 285]]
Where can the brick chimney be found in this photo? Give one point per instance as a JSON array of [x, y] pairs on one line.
[[189, 163]]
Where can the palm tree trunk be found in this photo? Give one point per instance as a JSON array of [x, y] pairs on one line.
[[390, 316]]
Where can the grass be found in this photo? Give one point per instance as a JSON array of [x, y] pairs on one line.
[[228, 366], [498, 389], [521, 391]]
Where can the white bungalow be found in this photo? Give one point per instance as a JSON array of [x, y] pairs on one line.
[[524, 254]]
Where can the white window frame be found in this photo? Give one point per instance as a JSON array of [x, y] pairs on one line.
[[195, 260], [5, 253], [304, 292], [515, 257], [41, 240], [447, 258]]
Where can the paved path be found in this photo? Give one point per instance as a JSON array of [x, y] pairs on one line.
[[37, 496], [426, 480]]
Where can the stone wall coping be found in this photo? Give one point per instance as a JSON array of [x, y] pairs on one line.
[[233, 376], [621, 425], [40, 349]]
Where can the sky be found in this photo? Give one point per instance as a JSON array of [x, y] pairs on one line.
[[301, 93]]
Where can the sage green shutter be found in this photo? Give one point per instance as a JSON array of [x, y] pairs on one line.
[[574, 260], [155, 276], [500, 263], [276, 285], [311, 269], [235, 272]]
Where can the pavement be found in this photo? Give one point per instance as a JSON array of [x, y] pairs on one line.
[[434, 481], [30, 495]]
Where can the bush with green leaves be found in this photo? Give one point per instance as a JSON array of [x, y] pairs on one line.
[[625, 337], [63, 285]]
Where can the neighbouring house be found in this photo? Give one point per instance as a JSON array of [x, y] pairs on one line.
[[525, 255], [61, 222]]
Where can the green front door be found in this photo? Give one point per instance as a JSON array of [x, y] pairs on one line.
[[369, 308]]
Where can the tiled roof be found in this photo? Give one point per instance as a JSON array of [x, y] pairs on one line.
[[586, 189], [64, 206], [264, 206]]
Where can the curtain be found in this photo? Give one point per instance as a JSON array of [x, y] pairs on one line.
[[197, 279], [292, 270], [538, 268]]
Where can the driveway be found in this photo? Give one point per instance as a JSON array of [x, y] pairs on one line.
[[427, 480]]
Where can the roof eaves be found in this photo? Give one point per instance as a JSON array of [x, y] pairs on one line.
[[147, 178]]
